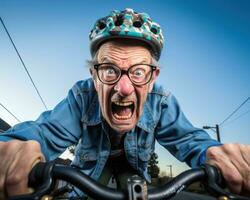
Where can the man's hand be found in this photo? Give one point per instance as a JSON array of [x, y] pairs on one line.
[[234, 162], [16, 160]]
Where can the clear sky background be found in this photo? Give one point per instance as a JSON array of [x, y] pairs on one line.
[[205, 61]]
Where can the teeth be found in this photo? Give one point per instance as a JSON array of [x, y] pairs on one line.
[[123, 117], [123, 103]]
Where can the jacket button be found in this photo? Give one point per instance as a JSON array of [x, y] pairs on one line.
[[86, 157]]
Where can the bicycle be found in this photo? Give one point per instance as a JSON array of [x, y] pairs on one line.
[[44, 175]]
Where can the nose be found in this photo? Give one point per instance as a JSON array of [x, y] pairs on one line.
[[124, 87]]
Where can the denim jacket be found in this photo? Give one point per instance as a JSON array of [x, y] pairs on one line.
[[78, 120]]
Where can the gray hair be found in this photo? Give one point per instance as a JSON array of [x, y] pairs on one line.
[[90, 63]]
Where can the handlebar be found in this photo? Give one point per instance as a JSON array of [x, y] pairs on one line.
[[47, 173]]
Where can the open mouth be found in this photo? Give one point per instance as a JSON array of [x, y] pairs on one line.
[[123, 110]]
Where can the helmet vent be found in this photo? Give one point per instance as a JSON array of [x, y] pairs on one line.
[[119, 21], [127, 24], [137, 24], [154, 30], [101, 25]]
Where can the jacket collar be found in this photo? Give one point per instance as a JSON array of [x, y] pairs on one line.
[[147, 121], [93, 115]]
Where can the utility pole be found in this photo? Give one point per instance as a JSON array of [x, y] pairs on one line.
[[170, 168], [216, 129], [218, 132]]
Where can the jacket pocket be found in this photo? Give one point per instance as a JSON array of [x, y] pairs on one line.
[[86, 158]]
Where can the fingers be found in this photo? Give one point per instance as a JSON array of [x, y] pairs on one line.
[[17, 162], [216, 156], [17, 180], [6, 152], [245, 153], [234, 162], [231, 175]]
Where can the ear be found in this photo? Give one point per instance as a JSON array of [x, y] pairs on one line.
[[93, 74], [154, 77], [91, 71]]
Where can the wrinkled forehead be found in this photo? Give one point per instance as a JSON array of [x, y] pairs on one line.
[[124, 50]]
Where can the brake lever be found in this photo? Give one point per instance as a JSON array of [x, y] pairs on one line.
[[215, 183], [40, 178]]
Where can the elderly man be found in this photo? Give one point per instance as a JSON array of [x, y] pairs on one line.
[[116, 116]]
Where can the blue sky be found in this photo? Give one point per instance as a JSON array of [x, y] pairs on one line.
[[205, 61]]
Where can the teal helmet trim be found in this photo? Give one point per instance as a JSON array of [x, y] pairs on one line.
[[127, 24]]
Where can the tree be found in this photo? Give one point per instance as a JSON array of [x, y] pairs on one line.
[[153, 168]]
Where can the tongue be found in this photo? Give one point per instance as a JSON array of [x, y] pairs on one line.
[[122, 110]]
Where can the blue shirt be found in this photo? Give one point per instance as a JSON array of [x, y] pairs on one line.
[[78, 120]]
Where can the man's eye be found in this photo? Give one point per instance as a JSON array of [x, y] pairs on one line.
[[110, 71], [139, 72]]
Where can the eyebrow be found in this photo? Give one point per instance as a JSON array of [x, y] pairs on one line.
[[105, 59]]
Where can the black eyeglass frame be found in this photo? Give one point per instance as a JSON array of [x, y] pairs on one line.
[[153, 68]]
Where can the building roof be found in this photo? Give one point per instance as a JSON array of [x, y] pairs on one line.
[[3, 125]]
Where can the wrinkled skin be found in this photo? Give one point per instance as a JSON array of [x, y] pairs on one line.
[[17, 159], [234, 162], [123, 55]]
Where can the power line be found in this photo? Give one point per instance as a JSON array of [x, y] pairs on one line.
[[243, 114], [10, 112], [25, 68], [234, 111]]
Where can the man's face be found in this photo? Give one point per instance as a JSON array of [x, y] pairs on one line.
[[122, 103]]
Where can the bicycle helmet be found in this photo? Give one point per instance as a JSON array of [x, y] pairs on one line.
[[127, 24]]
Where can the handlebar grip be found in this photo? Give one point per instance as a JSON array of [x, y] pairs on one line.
[[214, 175], [40, 178], [216, 184], [36, 174]]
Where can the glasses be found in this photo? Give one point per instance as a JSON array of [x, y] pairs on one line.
[[139, 74]]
